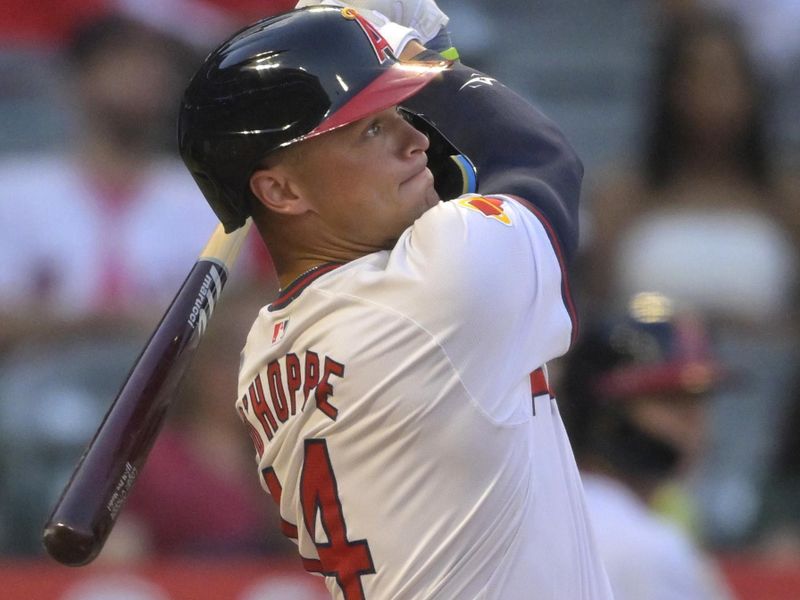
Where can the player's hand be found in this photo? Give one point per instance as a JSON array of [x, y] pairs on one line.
[[422, 16], [397, 36]]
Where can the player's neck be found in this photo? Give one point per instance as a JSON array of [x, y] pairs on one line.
[[298, 243], [292, 261]]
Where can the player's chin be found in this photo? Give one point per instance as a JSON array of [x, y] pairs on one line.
[[432, 196], [420, 190]]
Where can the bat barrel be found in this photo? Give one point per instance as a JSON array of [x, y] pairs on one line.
[[88, 508]]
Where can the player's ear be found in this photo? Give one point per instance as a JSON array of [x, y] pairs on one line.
[[276, 189]]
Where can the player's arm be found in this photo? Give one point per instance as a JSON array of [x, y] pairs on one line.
[[515, 148]]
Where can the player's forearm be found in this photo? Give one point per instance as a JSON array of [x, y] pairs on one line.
[[412, 49], [515, 148]]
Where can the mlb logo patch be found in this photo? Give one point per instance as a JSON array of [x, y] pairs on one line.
[[491, 208], [279, 331]]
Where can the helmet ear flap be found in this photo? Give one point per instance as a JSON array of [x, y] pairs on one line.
[[453, 173], [228, 207]]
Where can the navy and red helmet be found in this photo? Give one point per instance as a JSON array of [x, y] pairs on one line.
[[651, 350], [279, 81]]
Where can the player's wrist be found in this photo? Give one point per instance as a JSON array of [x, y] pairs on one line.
[[412, 49], [443, 44]]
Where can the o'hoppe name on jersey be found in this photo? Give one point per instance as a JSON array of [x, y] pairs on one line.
[[287, 384]]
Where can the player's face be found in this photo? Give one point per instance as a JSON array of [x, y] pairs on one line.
[[368, 181], [677, 418]]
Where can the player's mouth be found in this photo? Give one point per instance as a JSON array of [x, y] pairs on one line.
[[420, 171]]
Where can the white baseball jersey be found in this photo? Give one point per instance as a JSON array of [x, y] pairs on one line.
[[390, 402]]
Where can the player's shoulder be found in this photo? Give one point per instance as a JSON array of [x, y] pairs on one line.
[[472, 243], [473, 223]]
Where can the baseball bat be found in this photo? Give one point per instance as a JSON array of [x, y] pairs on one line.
[[92, 499]]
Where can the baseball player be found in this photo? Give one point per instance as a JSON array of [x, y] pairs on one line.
[[396, 390], [635, 388]]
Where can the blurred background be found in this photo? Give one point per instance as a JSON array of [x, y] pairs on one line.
[[685, 113]]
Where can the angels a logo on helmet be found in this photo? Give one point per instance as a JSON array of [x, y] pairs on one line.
[[379, 43]]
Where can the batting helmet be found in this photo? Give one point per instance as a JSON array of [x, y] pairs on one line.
[[650, 350], [281, 80]]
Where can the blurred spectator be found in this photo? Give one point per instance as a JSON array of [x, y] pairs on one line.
[[201, 23], [634, 395], [197, 494], [44, 23], [49, 23], [33, 35], [704, 221], [95, 243], [769, 29], [772, 32], [114, 224]]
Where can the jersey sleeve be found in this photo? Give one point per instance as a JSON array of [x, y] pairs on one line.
[[492, 290]]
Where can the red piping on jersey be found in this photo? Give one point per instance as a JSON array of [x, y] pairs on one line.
[[566, 294], [295, 288], [539, 385]]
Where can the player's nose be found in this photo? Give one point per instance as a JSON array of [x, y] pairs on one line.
[[414, 140]]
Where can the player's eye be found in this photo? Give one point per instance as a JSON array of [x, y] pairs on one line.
[[374, 128]]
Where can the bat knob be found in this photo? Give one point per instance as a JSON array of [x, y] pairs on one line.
[[69, 546]]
